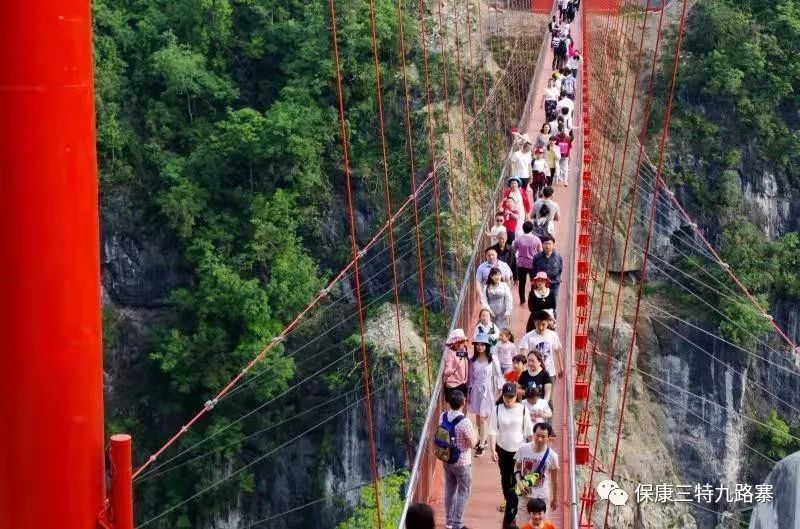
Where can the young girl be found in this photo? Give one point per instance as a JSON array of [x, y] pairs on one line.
[[485, 383], [511, 214], [505, 350], [485, 326], [538, 407]]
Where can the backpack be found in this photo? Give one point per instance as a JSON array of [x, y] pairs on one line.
[[540, 230], [550, 110], [562, 47], [444, 443]]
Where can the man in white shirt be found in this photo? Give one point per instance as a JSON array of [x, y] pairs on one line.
[[521, 162], [534, 456], [565, 102], [546, 342]]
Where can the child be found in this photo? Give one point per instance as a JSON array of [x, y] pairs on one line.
[[510, 215], [518, 364], [505, 349], [536, 510], [499, 218], [485, 326], [538, 408]]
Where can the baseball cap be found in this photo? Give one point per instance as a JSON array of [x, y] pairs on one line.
[[509, 388]]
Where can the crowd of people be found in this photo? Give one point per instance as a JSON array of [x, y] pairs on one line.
[[498, 380]]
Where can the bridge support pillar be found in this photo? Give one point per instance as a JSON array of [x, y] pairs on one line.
[[51, 401]]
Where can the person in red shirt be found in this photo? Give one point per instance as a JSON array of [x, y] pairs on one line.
[[510, 215], [536, 510], [518, 365]]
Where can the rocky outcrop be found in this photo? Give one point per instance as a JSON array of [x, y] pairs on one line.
[[783, 512]]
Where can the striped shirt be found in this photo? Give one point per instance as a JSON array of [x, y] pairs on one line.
[[464, 430]]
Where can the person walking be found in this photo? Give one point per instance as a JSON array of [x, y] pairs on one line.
[[505, 253], [547, 200], [496, 296], [519, 195], [456, 363], [458, 475], [526, 245], [536, 467], [536, 375], [541, 298], [564, 143], [509, 427], [521, 162], [550, 262], [545, 341], [539, 173], [552, 154], [492, 261], [485, 382]]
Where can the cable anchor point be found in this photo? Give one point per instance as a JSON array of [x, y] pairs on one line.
[[209, 405]]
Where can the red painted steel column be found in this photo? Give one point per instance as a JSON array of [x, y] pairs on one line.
[[121, 493], [51, 385]]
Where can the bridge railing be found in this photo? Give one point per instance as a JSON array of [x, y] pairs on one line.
[[421, 482]]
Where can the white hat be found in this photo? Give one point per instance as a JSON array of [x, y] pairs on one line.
[[525, 138], [456, 335]]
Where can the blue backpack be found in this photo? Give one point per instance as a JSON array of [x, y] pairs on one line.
[[444, 443]]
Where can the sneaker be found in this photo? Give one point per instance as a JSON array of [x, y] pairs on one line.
[[479, 451], [522, 302], [502, 507]]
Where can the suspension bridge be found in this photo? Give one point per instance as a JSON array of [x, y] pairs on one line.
[[616, 206]]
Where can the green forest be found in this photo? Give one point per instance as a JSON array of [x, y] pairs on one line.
[[220, 155], [736, 120]]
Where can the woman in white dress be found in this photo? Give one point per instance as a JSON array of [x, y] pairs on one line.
[[485, 382], [496, 296]]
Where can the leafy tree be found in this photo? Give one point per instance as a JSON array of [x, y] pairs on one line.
[[776, 436]]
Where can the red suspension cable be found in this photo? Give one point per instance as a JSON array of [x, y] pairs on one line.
[[356, 256], [388, 194], [651, 223], [413, 171], [432, 156]]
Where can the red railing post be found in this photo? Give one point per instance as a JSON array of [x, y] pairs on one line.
[[51, 402], [121, 494]]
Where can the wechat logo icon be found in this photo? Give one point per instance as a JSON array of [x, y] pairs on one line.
[[609, 490]]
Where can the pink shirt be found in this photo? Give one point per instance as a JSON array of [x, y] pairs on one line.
[[527, 245], [459, 365]]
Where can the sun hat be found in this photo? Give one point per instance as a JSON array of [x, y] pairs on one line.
[[481, 338], [518, 179], [525, 138], [543, 276], [456, 335]]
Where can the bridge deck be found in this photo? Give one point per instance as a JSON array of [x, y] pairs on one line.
[[482, 509]]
